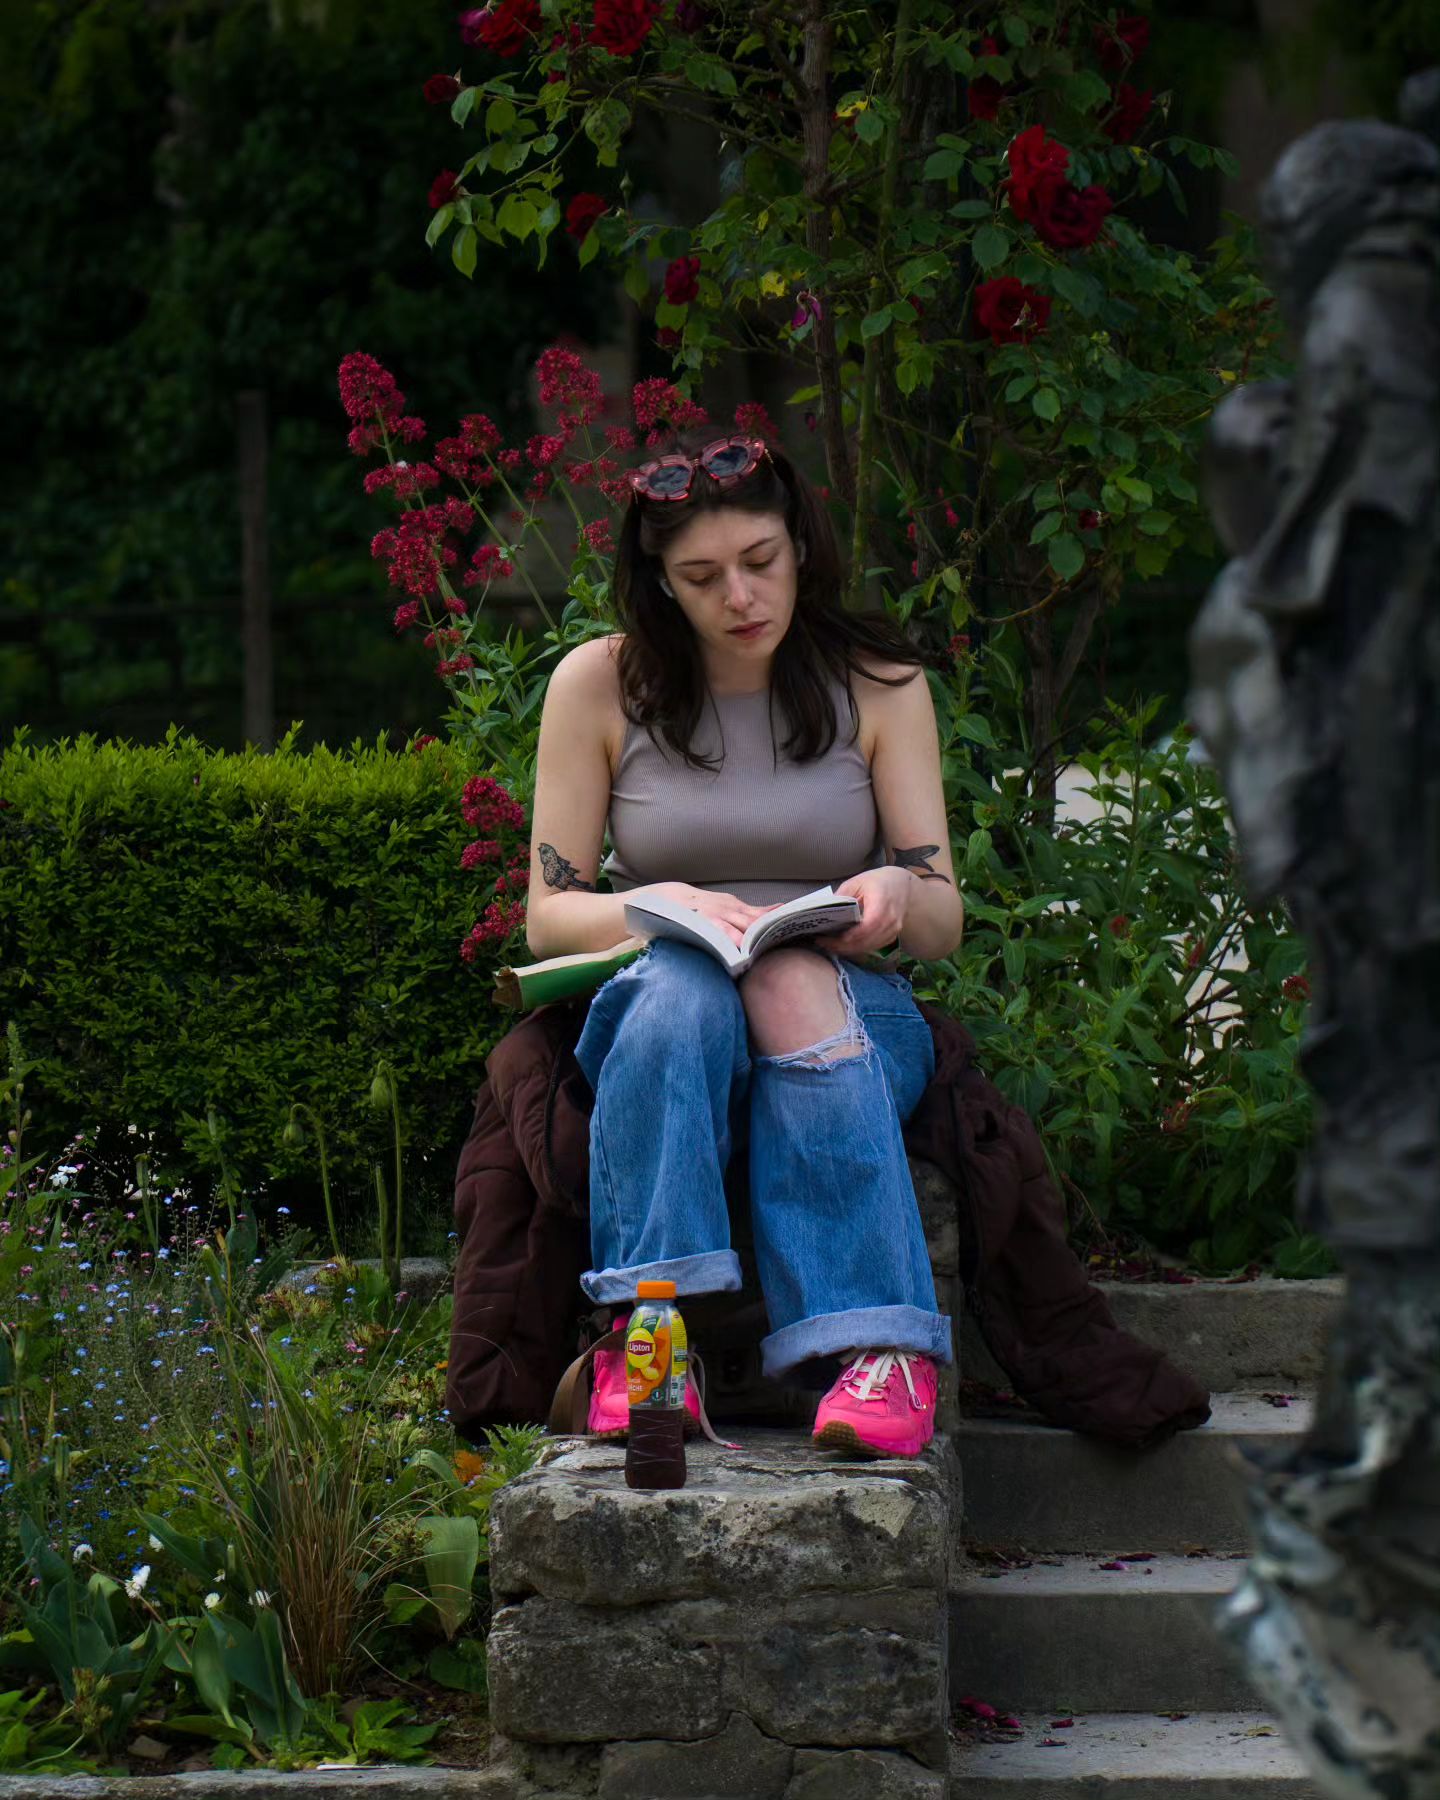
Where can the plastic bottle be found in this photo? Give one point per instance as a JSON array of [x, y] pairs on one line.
[[657, 1366]]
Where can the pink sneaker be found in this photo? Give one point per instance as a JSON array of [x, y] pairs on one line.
[[883, 1404], [610, 1398]]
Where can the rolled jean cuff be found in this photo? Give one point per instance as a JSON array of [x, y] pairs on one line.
[[862, 1328], [709, 1272]]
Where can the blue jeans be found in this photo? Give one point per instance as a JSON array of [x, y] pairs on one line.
[[839, 1246]]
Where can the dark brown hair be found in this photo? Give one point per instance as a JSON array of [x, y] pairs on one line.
[[662, 677]]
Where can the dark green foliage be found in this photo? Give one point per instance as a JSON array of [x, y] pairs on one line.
[[184, 932]]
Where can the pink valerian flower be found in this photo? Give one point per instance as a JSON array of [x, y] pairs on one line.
[[580, 474], [658, 399], [682, 280], [466, 457], [488, 806], [374, 404], [500, 919], [445, 635], [483, 850], [503, 28], [597, 535], [509, 460], [620, 437], [539, 485], [489, 563], [543, 450], [444, 189], [416, 547], [452, 605], [622, 26], [566, 382], [457, 667], [407, 479], [423, 743], [407, 614], [752, 418], [440, 90]]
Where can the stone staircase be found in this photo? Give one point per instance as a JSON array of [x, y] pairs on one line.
[[794, 1626]]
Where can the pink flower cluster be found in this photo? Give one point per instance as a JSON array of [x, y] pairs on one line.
[[489, 563], [466, 457], [374, 405], [656, 400], [489, 806], [566, 383], [500, 918], [417, 546]]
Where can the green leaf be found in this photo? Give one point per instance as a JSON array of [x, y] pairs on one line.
[[1138, 490], [459, 1666], [1155, 523], [439, 224], [1020, 386], [589, 248], [974, 728], [1067, 558], [463, 105], [990, 246], [1046, 404], [940, 165], [869, 126], [1015, 28], [637, 282], [972, 209], [462, 250], [518, 216], [1046, 526], [452, 1554], [500, 117], [874, 323], [1085, 90]]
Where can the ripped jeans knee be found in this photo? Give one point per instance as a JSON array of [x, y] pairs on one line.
[[850, 1043]]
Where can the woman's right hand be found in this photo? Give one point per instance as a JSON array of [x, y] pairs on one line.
[[732, 914]]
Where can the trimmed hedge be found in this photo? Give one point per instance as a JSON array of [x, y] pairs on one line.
[[185, 931]]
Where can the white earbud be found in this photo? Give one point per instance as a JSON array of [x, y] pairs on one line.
[[666, 587]]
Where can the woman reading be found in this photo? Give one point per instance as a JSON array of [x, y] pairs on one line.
[[748, 740]]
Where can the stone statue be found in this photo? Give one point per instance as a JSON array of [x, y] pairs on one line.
[[1316, 666]]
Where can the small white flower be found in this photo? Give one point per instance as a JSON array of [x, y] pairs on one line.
[[219, 1575], [260, 1598], [135, 1586], [81, 1550], [155, 1543], [211, 1602]]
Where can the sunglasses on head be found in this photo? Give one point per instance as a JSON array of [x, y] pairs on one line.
[[726, 461]]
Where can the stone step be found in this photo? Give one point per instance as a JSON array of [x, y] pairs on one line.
[[1066, 1632], [1028, 1484], [1137, 1756], [1266, 1333]]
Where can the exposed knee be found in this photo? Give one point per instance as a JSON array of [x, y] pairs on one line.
[[796, 1006]]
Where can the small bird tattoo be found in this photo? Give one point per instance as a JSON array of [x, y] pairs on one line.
[[916, 861], [559, 873]]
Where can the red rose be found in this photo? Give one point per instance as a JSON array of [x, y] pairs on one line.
[[444, 188], [1035, 163], [985, 93], [1129, 110], [440, 90], [1121, 42], [682, 280], [1295, 987], [668, 338], [581, 214], [1011, 312], [1070, 218], [622, 26], [1089, 520], [504, 28]]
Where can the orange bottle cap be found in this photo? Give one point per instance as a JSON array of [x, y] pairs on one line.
[[655, 1290]]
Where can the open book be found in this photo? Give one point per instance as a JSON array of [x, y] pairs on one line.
[[563, 977]]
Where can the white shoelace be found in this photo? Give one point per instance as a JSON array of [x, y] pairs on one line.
[[862, 1381]]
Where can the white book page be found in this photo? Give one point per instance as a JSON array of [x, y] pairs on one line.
[[808, 915], [657, 917]]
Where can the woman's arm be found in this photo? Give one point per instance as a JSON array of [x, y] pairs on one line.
[[914, 896], [572, 798]]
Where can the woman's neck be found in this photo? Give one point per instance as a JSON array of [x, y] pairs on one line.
[[736, 677]]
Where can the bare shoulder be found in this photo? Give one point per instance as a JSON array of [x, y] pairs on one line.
[[590, 671], [888, 693]]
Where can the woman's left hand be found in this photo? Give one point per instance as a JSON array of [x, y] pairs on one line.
[[884, 896]]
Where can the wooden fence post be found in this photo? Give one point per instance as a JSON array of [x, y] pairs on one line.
[[258, 706]]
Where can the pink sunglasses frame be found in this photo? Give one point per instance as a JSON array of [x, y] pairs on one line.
[[638, 476]]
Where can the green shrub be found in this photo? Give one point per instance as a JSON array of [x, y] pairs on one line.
[[192, 941]]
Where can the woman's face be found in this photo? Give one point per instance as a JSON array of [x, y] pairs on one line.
[[734, 575]]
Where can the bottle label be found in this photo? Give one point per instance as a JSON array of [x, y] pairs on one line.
[[657, 1356]]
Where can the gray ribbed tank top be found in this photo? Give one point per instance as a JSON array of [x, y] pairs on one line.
[[763, 827]]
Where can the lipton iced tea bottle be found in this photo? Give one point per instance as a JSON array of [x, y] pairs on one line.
[[657, 1366]]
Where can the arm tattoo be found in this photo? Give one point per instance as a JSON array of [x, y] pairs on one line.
[[915, 861], [559, 873]]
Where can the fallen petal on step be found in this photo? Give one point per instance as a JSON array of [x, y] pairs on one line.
[[1113, 1565], [1052, 1743], [1009, 1722], [1060, 1724]]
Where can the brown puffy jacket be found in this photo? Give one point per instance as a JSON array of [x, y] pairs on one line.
[[521, 1207]]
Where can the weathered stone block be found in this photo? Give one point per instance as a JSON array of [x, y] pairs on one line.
[[571, 1674], [774, 1519], [741, 1763], [862, 1775]]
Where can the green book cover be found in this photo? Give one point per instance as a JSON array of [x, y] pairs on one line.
[[562, 977]]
